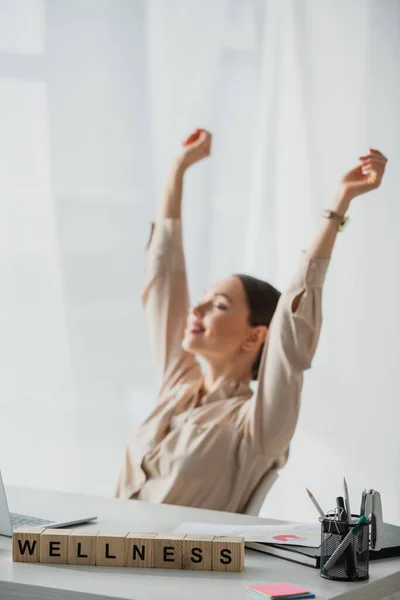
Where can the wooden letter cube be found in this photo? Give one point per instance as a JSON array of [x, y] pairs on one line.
[[82, 547], [197, 552], [168, 551], [26, 544], [227, 553], [54, 546], [110, 549], [139, 549]]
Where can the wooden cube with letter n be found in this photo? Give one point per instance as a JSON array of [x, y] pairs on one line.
[[54, 546], [197, 552], [168, 551], [110, 549], [227, 553], [139, 549], [82, 547], [26, 544]]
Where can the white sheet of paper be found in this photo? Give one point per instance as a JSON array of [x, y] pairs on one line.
[[293, 534]]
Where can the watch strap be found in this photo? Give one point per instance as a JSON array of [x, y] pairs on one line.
[[330, 214]]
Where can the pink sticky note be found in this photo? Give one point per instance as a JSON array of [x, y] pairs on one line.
[[278, 590]]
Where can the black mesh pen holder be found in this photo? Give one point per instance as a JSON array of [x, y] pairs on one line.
[[349, 561]]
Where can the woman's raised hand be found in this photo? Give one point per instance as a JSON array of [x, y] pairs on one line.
[[366, 176], [196, 147]]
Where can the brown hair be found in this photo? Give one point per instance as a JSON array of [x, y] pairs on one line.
[[262, 299]]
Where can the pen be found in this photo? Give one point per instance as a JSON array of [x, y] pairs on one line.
[[346, 495], [350, 559], [343, 545], [351, 554], [340, 509], [317, 506], [362, 513], [363, 499]]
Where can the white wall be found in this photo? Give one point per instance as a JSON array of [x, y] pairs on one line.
[[76, 204]]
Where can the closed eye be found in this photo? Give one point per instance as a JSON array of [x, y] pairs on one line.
[[216, 301], [221, 306]]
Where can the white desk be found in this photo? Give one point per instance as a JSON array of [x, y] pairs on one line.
[[45, 582]]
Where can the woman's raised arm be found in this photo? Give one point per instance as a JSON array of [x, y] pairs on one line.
[[197, 146], [165, 297], [271, 416], [365, 177]]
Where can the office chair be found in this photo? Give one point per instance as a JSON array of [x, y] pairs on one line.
[[255, 503]]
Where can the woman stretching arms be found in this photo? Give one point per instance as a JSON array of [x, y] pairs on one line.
[[210, 440]]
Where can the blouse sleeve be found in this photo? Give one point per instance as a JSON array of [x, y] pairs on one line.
[[271, 414], [166, 303]]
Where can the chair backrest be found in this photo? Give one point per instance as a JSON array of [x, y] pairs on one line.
[[255, 503]]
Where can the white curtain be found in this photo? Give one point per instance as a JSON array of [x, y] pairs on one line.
[[95, 99]]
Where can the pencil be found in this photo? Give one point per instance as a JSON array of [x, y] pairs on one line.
[[317, 506], [346, 495], [352, 557]]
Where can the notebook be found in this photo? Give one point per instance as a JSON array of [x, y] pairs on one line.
[[311, 556], [280, 591]]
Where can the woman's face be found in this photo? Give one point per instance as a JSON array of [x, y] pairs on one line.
[[218, 326]]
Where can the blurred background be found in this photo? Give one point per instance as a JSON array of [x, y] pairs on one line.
[[96, 97]]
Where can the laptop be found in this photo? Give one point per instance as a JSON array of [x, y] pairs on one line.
[[58, 518]]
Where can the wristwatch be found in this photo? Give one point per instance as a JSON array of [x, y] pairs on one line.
[[329, 214]]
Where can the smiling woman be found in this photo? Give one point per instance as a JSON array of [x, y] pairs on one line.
[[210, 440], [231, 310]]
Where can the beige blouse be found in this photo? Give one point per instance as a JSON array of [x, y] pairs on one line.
[[212, 451]]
